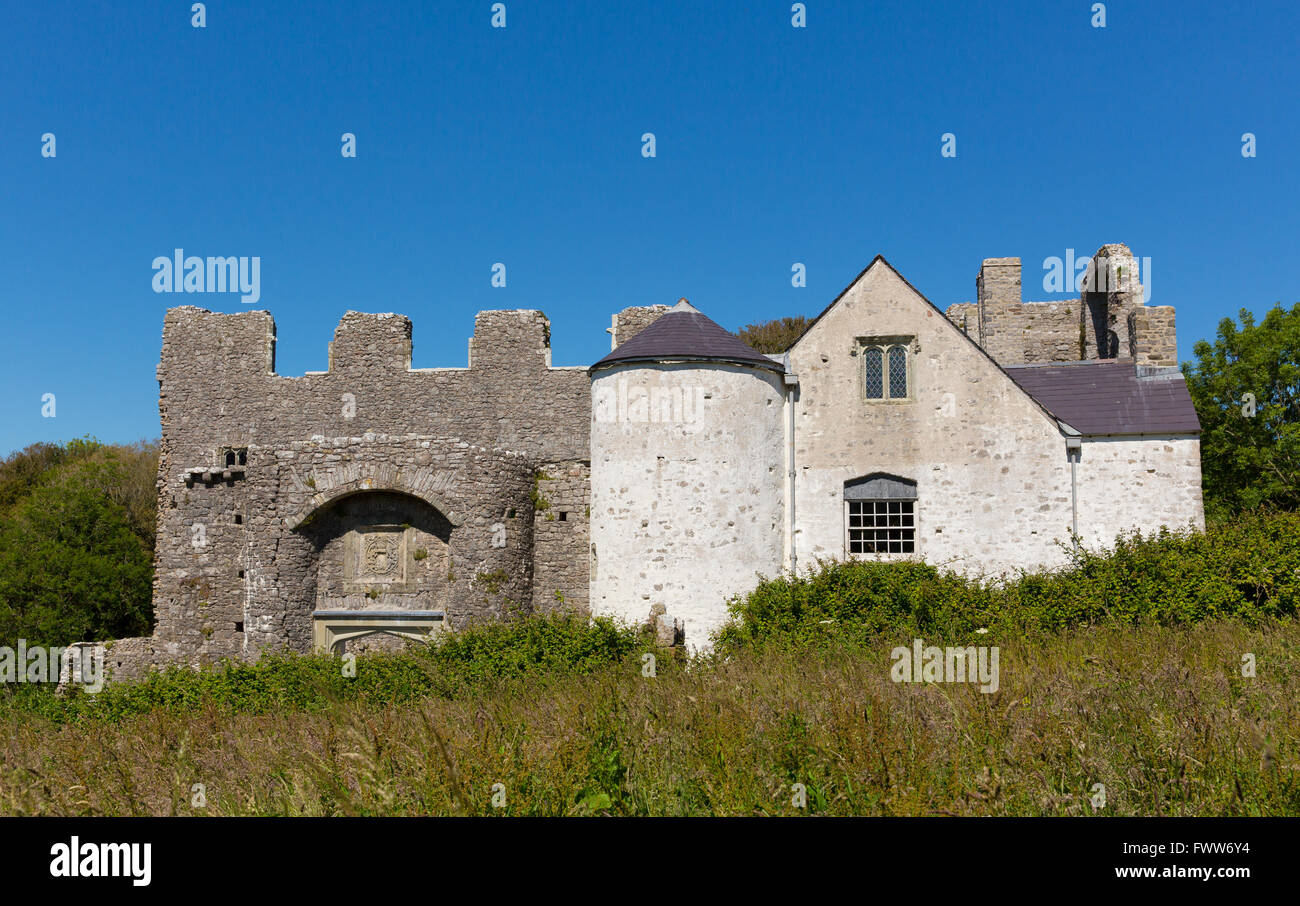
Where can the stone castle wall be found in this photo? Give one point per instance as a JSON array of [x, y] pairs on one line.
[[561, 536], [371, 486], [374, 486], [1108, 320]]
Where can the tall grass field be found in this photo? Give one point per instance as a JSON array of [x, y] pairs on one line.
[[1160, 679]]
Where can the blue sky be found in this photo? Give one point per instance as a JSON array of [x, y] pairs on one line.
[[522, 145]]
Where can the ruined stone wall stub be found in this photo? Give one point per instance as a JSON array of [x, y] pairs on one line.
[[631, 321], [1108, 320], [1110, 290]]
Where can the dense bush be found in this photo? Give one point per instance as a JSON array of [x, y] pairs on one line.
[[1248, 569], [560, 645], [775, 336]]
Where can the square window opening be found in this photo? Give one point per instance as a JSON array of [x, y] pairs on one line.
[[881, 526]]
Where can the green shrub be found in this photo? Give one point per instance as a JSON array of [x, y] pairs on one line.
[[856, 601], [1247, 569], [472, 657], [562, 643]]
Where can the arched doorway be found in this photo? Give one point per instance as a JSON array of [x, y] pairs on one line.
[[380, 551]]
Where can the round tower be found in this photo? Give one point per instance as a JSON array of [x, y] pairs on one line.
[[687, 473]]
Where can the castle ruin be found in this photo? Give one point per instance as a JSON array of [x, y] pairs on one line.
[[375, 502]]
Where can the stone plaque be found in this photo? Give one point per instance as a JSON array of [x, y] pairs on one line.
[[377, 559]]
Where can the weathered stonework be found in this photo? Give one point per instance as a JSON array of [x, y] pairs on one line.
[[1151, 335], [1108, 321], [560, 535], [372, 486], [365, 505], [631, 321]]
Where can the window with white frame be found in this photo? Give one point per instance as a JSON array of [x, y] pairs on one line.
[[886, 367], [880, 515]]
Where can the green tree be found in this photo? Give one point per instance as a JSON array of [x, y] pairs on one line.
[[23, 470], [1246, 388], [76, 546], [776, 336]]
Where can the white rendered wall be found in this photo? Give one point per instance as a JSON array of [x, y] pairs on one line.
[[993, 484], [1128, 483], [993, 481], [687, 489]]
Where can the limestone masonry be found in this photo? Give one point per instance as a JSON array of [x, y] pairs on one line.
[[374, 503]]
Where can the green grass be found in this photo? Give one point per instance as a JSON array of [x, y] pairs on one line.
[[1160, 715], [1124, 670]]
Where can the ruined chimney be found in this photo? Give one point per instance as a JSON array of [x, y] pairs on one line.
[[1152, 338], [997, 289]]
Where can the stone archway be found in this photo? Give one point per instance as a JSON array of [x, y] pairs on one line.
[[332, 484], [379, 551]]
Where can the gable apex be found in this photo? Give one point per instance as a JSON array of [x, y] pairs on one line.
[[881, 260]]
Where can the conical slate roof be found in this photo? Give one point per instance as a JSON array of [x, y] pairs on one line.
[[683, 334]]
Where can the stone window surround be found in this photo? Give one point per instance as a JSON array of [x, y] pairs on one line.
[[885, 343], [238, 452]]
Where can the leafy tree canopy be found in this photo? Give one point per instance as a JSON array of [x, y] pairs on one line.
[[1246, 388], [776, 336], [76, 542]]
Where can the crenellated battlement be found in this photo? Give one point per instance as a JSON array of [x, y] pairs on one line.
[[518, 338], [369, 486], [196, 340], [219, 388], [371, 341]]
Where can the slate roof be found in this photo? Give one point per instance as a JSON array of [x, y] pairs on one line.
[[682, 333], [1110, 397]]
